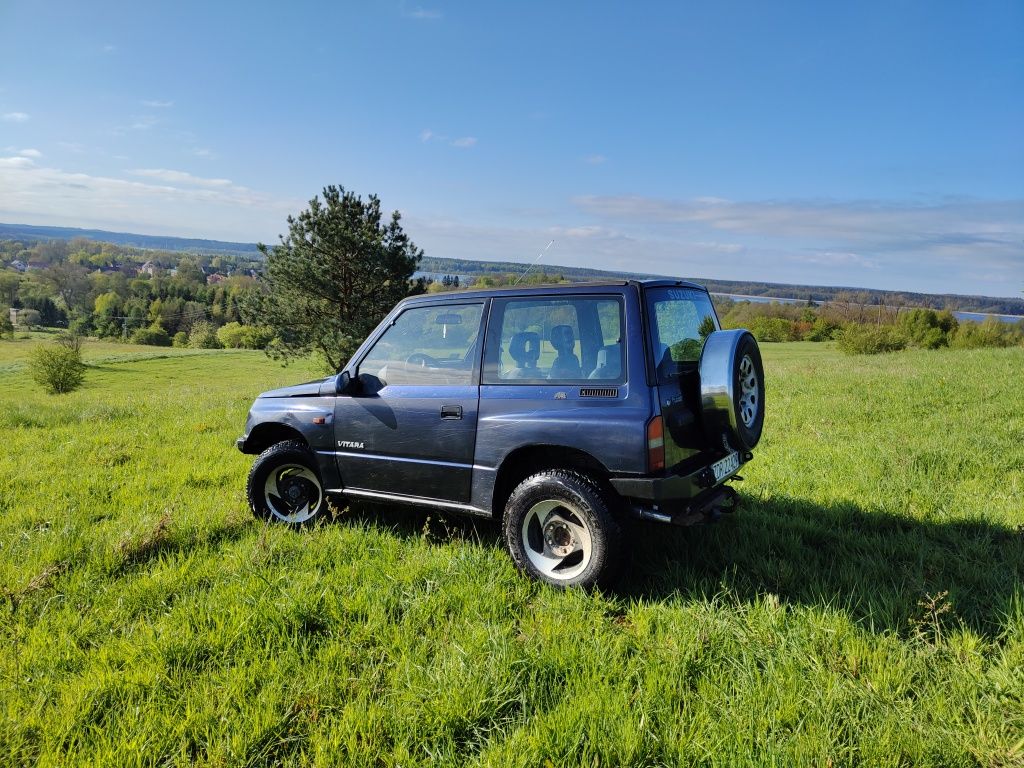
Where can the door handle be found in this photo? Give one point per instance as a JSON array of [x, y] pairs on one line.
[[451, 411]]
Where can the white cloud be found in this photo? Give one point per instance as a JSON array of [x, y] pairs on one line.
[[463, 142], [180, 177], [71, 146], [138, 123], [156, 104], [15, 117], [35, 154], [192, 206], [594, 159], [108, 48], [205, 153], [424, 13]]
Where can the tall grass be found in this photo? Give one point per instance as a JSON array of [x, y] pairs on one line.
[[864, 607]]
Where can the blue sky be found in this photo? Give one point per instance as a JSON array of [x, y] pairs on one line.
[[866, 144]]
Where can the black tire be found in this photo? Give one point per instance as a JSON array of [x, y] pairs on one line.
[[284, 486], [749, 434], [559, 528]]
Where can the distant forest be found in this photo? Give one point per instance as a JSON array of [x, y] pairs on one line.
[[246, 255], [815, 293]]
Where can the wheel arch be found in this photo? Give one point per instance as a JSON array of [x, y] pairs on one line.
[[270, 433], [527, 460]]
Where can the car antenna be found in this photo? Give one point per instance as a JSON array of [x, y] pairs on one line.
[[535, 262]]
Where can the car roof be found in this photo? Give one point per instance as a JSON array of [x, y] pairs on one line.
[[553, 289]]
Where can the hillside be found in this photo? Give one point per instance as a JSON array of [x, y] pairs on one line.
[[472, 268], [864, 606], [29, 233]]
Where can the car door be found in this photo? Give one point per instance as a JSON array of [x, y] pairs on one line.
[[410, 427]]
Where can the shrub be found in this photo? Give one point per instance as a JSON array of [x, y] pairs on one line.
[[822, 329], [927, 328], [57, 367], [989, 333], [772, 329], [238, 336], [203, 336], [154, 336], [180, 339], [6, 327], [861, 339], [69, 340]]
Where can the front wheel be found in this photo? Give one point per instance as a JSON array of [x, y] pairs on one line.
[[284, 485], [559, 528]]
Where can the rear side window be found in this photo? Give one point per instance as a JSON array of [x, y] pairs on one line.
[[555, 340], [681, 320]]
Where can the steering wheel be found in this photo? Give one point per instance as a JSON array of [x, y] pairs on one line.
[[422, 359]]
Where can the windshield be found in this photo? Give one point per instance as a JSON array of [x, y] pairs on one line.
[[681, 319]]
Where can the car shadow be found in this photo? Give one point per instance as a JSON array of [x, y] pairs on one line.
[[887, 572]]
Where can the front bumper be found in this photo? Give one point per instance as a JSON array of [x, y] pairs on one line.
[[674, 487], [240, 444]]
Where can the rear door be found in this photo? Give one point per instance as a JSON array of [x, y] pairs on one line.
[[411, 429], [680, 319]]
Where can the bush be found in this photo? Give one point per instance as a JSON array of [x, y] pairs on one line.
[[927, 328], [238, 336], [57, 367], [6, 327], [989, 333], [203, 336], [822, 329], [860, 339], [154, 336], [180, 339], [772, 329]]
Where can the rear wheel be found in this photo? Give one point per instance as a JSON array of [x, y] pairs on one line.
[[559, 528], [284, 485]]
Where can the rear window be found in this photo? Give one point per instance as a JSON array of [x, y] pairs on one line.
[[681, 319]]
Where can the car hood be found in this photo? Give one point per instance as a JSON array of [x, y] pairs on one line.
[[309, 389]]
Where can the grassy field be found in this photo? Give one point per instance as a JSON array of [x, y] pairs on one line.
[[865, 606]]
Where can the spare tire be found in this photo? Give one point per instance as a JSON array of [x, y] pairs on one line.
[[732, 389]]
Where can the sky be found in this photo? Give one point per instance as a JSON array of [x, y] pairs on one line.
[[872, 144]]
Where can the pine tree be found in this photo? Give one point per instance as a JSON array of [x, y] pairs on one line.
[[333, 277]]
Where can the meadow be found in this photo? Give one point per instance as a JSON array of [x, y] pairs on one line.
[[864, 607]]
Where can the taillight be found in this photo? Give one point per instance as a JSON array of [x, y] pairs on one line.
[[655, 444]]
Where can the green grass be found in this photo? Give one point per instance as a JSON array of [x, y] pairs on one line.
[[864, 607]]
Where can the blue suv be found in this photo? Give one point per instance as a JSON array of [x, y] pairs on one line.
[[558, 410]]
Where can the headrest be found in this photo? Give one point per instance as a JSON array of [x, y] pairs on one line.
[[524, 348], [562, 338]]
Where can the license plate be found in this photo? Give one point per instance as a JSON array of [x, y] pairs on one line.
[[725, 467]]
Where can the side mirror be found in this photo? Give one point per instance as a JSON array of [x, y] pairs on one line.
[[347, 384]]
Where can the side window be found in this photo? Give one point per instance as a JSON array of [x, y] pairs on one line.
[[555, 340], [433, 345]]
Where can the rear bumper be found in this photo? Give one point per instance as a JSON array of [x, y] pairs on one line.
[[240, 444], [672, 487]]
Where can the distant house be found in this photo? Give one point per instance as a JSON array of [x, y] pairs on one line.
[[14, 316], [214, 278], [34, 265], [19, 265], [149, 268]]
